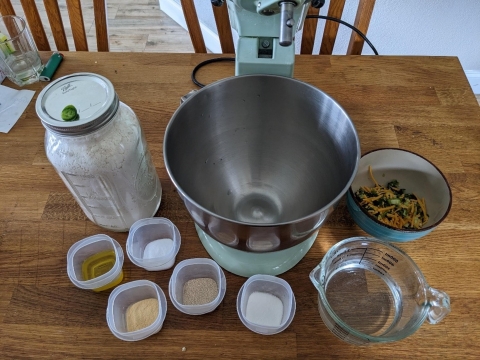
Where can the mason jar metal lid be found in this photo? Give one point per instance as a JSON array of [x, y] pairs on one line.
[[92, 95]]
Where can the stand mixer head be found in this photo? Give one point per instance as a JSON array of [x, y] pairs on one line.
[[266, 30]]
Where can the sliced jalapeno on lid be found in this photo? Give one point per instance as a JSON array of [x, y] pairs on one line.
[[69, 113]]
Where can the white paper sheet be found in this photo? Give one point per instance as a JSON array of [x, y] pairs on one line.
[[12, 105]]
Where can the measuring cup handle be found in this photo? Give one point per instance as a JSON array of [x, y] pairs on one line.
[[439, 303], [314, 277]]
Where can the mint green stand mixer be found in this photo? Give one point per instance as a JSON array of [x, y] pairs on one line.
[[266, 32], [254, 157]]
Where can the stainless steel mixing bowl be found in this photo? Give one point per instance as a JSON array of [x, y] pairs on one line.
[[260, 161]]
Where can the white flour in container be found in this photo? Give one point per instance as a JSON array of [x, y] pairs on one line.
[[109, 171], [264, 309]]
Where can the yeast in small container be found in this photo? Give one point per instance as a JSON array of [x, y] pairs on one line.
[[190, 286]]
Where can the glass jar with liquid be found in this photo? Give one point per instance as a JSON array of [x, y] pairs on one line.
[[97, 146]]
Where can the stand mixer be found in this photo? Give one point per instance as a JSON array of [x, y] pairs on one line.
[[266, 30], [265, 168]]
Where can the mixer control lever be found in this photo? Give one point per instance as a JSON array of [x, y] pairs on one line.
[[217, 2], [317, 4], [286, 23]]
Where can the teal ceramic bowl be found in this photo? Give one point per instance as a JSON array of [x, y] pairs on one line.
[[416, 175]]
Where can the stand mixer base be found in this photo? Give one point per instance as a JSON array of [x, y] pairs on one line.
[[246, 264]]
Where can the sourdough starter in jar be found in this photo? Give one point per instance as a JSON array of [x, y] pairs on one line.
[[102, 157]]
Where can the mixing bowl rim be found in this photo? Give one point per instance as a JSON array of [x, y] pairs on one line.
[[407, 231], [265, 225]]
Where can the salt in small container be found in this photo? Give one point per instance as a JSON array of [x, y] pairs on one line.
[[153, 243], [266, 304]]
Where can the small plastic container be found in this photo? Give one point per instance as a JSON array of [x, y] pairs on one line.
[[274, 286], [193, 269], [124, 296], [84, 251], [147, 230]]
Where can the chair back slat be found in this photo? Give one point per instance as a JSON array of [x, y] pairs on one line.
[[224, 29], [193, 26], [331, 27], [35, 24], [76, 22], [101, 25], [56, 24], [309, 31], [335, 9], [6, 8], [362, 21]]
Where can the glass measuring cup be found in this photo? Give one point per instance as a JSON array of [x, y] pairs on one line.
[[371, 292]]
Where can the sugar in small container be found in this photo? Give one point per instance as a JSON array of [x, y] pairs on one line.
[[266, 304], [97, 146]]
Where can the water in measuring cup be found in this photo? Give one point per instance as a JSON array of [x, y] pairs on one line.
[[363, 300], [26, 67]]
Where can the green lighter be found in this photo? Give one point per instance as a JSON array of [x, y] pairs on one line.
[[51, 66]]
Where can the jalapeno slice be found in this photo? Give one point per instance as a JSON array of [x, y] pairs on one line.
[[69, 113]]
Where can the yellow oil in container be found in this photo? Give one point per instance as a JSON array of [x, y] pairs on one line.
[[99, 264]]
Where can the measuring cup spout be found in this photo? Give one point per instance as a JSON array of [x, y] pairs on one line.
[[439, 303]]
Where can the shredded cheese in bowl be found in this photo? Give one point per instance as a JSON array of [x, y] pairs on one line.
[[392, 205]]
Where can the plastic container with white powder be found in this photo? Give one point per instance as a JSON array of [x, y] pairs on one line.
[[153, 243], [266, 304]]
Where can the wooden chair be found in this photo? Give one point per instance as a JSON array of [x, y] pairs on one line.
[[56, 23], [362, 21], [223, 26]]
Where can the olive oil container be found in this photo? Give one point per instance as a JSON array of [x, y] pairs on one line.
[[95, 263]]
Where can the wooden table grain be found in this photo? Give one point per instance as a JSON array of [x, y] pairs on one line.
[[423, 104]]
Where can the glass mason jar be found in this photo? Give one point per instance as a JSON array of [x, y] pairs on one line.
[[101, 154]]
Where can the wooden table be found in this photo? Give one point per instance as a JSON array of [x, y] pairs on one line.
[[423, 104]]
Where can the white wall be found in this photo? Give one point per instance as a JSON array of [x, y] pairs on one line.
[[423, 27], [407, 27]]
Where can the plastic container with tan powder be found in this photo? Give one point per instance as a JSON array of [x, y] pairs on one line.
[[131, 308]]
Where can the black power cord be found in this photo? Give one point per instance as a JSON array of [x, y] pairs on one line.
[[219, 59], [206, 62], [362, 35]]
